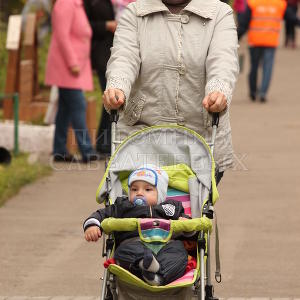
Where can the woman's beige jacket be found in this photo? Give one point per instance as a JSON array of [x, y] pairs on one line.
[[167, 63]]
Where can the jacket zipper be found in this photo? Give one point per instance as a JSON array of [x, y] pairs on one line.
[[150, 207]]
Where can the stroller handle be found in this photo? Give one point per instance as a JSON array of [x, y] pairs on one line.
[[114, 116], [215, 124], [215, 119]]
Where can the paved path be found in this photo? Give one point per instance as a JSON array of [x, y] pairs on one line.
[[259, 209], [43, 253]]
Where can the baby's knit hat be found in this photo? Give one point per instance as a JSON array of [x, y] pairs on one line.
[[153, 175]]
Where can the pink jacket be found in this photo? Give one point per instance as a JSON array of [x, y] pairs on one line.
[[70, 46], [239, 5]]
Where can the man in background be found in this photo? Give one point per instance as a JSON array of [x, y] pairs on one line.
[[262, 19]]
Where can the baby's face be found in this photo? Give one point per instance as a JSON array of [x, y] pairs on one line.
[[144, 189]]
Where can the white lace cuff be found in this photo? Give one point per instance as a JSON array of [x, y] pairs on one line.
[[120, 83], [116, 82], [219, 86]]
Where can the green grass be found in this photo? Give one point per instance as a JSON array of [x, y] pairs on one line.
[[97, 95], [3, 56], [19, 173], [42, 59]]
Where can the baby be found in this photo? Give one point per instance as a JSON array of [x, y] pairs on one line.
[[147, 193]]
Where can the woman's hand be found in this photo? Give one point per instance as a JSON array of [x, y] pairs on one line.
[[215, 102], [111, 26], [113, 99], [92, 234], [75, 70]]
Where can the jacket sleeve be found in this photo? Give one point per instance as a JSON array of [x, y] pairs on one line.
[[98, 216], [171, 209], [62, 23], [124, 63], [181, 211], [222, 59]]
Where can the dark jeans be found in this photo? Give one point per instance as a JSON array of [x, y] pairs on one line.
[[266, 55], [290, 26], [172, 259], [103, 142], [71, 110]]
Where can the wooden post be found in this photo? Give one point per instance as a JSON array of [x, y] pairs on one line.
[[26, 89], [13, 47], [30, 48], [25, 82]]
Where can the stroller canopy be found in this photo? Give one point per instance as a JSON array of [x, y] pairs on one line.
[[163, 146]]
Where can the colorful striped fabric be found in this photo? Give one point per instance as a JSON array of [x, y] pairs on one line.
[[150, 232], [186, 278], [183, 197], [155, 230]]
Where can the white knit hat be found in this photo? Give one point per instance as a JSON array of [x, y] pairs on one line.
[[153, 175]]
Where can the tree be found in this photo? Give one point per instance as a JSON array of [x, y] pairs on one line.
[[10, 7]]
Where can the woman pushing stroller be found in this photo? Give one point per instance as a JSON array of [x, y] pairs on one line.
[[174, 62], [147, 193]]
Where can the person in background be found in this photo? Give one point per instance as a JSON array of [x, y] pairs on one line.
[[102, 20], [290, 34], [119, 6], [239, 7], [42, 8], [262, 19], [69, 68], [175, 62]]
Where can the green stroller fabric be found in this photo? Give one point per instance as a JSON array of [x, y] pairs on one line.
[[176, 226], [187, 159]]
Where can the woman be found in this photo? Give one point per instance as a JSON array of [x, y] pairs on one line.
[[290, 32], [175, 61], [69, 68], [42, 9], [101, 16], [239, 7]]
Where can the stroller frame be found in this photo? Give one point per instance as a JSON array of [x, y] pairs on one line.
[[203, 288]]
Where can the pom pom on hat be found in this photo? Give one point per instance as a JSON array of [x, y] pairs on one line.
[[153, 175]]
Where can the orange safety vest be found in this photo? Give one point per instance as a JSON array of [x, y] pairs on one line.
[[265, 24]]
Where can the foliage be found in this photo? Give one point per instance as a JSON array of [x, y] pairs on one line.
[[42, 59], [3, 56], [96, 94], [17, 174], [9, 7]]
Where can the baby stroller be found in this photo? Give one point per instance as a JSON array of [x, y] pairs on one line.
[[188, 160]]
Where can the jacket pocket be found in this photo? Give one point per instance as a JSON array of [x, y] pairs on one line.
[[134, 108]]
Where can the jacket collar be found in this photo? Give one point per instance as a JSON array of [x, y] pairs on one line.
[[203, 8]]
